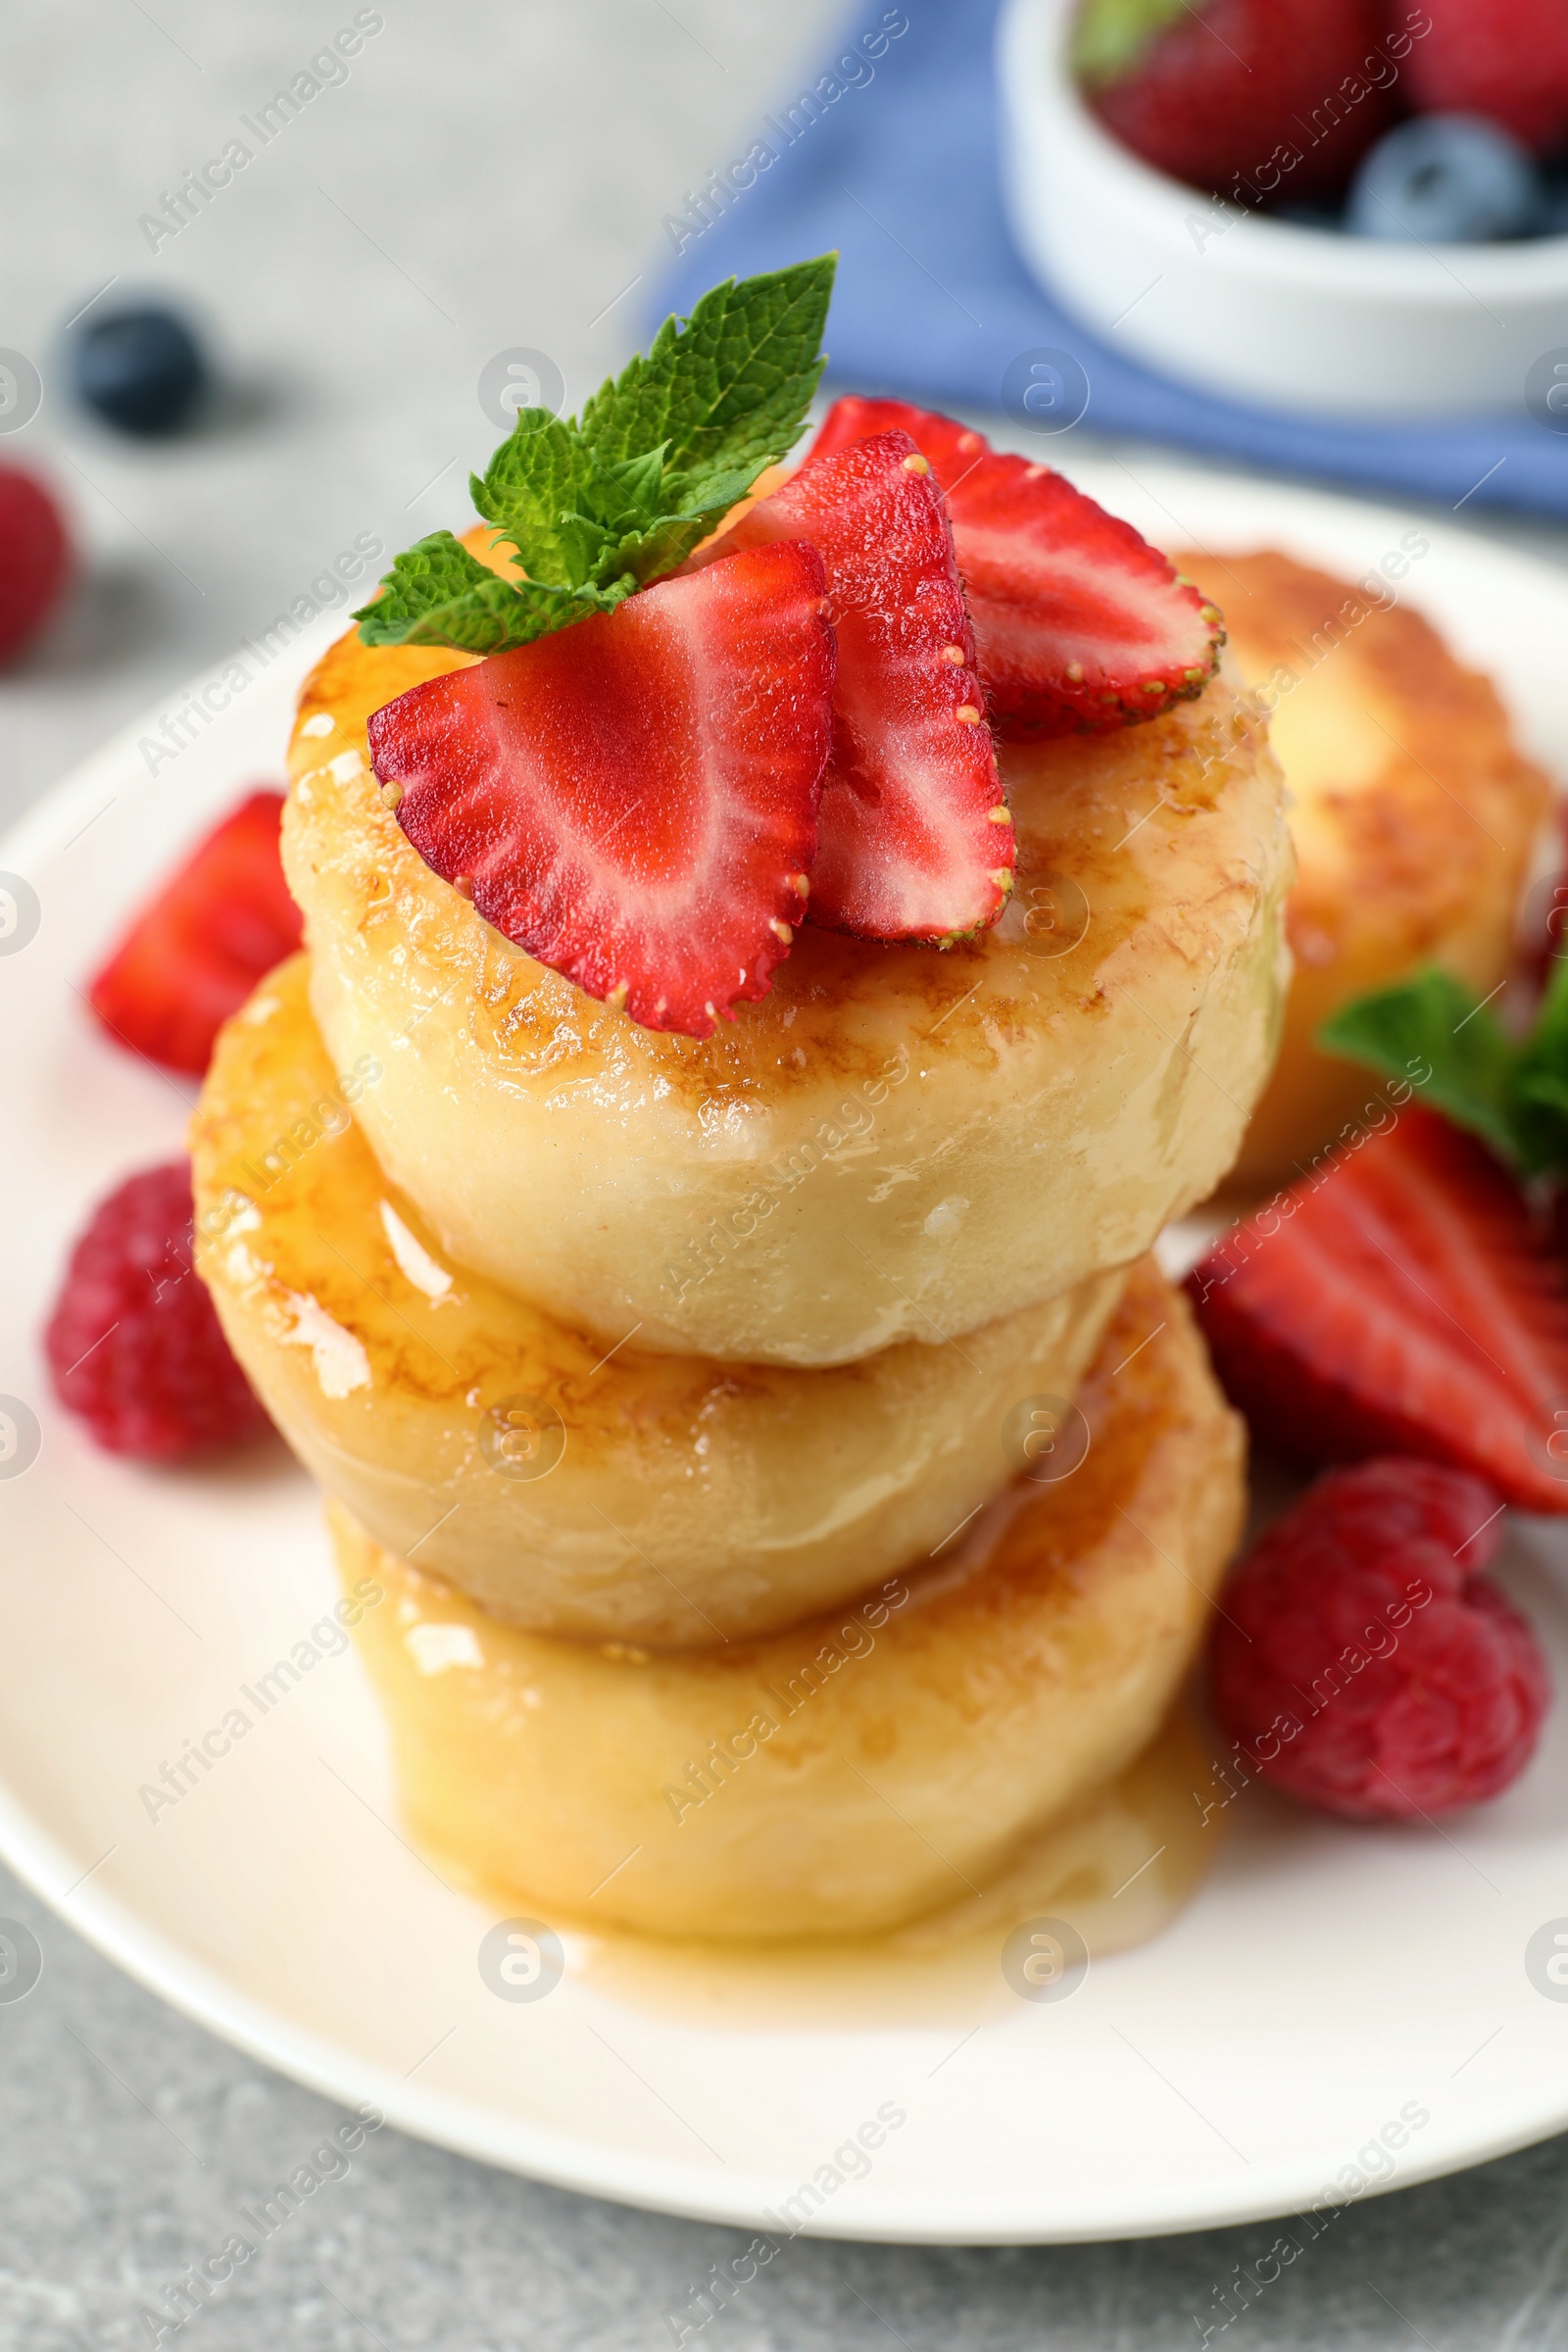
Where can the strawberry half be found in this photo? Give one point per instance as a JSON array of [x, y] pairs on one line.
[[193, 955], [1212, 91], [1398, 1302], [913, 836], [633, 800], [1080, 624]]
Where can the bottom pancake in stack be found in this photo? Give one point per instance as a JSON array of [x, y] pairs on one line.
[[863, 1767]]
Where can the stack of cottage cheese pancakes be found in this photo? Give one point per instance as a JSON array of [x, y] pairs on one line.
[[792, 1485]]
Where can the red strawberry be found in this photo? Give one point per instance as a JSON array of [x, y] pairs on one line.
[[913, 838], [193, 955], [1504, 59], [34, 558], [1398, 1301], [1224, 94], [1079, 623], [633, 800]]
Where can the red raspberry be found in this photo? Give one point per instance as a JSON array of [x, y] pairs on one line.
[[34, 556], [1362, 1664], [133, 1344]]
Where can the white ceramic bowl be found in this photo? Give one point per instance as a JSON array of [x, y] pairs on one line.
[[1235, 302]]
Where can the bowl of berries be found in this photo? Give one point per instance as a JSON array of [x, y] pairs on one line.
[[1335, 206]]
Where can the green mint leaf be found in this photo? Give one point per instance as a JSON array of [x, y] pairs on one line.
[[563, 513], [438, 594], [1541, 1082], [709, 498], [664, 544], [1437, 1021], [730, 388], [584, 541], [633, 488], [535, 478], [653, 554], [618, 505]]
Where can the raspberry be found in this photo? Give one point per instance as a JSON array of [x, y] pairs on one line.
[[34, 556], [133, 1342], [1362, 1663]]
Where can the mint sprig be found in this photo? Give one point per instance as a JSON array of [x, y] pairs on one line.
[[597, 507], [1512, 1093]]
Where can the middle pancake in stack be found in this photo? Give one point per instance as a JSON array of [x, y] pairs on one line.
[[661, 1500]]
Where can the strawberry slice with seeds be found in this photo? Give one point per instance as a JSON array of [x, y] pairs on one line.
[[913, 836], [193, 955], [1398, 1302], [1080, 624], [633, 800]]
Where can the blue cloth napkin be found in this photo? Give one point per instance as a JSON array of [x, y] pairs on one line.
[[899, 172]]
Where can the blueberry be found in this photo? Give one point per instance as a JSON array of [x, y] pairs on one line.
[[140, 369], [1308, 216], [1447, 179], [1556, 223]]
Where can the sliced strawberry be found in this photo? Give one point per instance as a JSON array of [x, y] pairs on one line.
[[633, 800], [194, 954], [913, 838], [1080, 624], [1398, 1302]]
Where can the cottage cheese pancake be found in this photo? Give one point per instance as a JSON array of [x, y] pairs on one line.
[[1413, 810], [896, 1143], [862, 1768], [660, 1499]]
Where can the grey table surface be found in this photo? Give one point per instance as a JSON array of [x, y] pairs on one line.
[[490, 176]]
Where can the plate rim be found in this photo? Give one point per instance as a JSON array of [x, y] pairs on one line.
[[666, 2185]]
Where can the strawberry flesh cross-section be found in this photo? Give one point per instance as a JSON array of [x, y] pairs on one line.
[[1079, 623], [1400, 1300], [915, 837], [633, 800]]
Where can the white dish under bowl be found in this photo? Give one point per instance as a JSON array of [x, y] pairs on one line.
[[1244, 304]]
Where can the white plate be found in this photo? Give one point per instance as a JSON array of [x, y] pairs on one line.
[[1324, 1980]]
